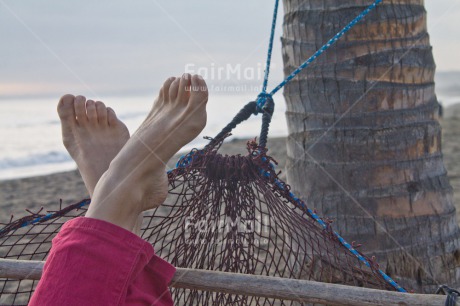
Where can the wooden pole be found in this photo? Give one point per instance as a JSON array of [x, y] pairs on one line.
[[261, 286]]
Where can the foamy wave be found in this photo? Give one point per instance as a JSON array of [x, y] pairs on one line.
[[52, 157]]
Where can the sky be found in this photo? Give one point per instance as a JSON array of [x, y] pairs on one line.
[[101, 48]]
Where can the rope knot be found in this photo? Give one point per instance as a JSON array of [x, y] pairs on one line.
[[187, 159], [264, 103]]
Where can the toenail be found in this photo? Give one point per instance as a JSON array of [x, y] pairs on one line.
[[67, 96], [80, 98]]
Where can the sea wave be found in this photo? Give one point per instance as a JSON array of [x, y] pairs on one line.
[[52, 157]]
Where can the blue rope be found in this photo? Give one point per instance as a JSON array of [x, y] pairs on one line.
[[48, 216], [263, 97], [186, 159], [331, 42], [261, 102], [270, 48], [299, 203]]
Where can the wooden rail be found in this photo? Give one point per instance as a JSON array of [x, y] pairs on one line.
[[261, 286]]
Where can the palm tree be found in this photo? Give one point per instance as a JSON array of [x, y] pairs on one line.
[[364, 141]]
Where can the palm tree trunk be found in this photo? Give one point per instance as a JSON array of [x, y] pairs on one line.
[[364, 142]]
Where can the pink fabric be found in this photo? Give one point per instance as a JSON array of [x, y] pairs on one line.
[[93, 262]]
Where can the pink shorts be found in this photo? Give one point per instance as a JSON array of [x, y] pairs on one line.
[[93, 262]]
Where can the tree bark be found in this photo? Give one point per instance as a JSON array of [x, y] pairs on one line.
[[364, 141]]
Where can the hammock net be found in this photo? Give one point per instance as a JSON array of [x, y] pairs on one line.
[[223, 213]]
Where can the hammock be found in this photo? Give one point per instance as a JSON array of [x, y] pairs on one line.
[[223, 213]]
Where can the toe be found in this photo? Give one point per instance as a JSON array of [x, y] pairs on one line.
[[184, 88], [66, 112], [173, 89], [91, 112], [165, 88], [101, 113], [111, 117], [199, 90], [66, 109], [80, 110]]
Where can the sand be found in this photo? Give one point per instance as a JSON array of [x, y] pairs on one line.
[[46, 191]]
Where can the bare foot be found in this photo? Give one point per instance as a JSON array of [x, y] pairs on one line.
[[136, 179], [92, 134]]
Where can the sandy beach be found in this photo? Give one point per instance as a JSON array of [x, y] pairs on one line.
[[46, 191]]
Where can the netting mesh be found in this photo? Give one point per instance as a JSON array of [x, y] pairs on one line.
[[28, 240], [223, 213]]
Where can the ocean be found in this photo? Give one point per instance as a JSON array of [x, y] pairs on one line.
[[31, 137], [30, 131]]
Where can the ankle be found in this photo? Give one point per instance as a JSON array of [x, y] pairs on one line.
[[116, 199], [115, 208]]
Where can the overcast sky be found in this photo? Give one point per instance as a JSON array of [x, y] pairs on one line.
[[102, 47]]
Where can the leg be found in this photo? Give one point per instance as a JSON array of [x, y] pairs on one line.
[[136, 179], [98, 263]]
